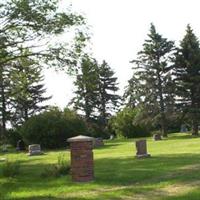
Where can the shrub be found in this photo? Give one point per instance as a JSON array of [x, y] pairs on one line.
[[94, 129], [10, 168], [12, 136], [59, 169], [62, 165], [52, 128], [123, 124]]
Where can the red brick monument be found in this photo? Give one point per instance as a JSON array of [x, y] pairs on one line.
[[82, 164]]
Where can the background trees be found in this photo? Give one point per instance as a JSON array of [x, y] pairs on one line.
[[108, 100], [151, 77], [164, 85], [86, 84], [34, 27], [187, 72], [27, 92], [95, 91]]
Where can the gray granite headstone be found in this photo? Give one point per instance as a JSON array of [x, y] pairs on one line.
[[141, 149], [157, 137], [98, 142], [34, 149]]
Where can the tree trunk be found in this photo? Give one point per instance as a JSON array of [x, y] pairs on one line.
[[87, 110], [103, 113], [194, 113], [3, 103], [162, 107], [163, 125], [194, 127]]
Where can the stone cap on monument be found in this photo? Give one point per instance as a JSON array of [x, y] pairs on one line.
[[80, 138]]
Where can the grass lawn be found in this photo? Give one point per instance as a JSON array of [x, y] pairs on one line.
[[173, 173]]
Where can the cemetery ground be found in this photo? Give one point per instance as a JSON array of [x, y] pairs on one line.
[[172, 173]]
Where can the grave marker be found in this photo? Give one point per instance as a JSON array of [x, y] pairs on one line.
[[82, 164], [141, 149], [34, 149]]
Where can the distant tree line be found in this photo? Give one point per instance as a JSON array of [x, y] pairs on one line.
[[162, 94], [27, 44], [166, 82]]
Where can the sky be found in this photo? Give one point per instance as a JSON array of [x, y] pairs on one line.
[[118, 29]]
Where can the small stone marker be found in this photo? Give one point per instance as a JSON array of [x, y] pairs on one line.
[[112, 137], [82, 164], [4, 148], [141, 148], [183, 128], [157, 137], [20, 145], [98, 142], [34, 149]]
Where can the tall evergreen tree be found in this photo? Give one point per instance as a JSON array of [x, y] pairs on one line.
[[86, 84], [187, 68], [4, 99], [152, 76], [108, 100], [27, 90]]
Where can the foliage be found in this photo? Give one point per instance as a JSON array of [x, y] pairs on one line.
[[10, 168], [108, 100], [12, 136], [123, 124], [187, 68], [27, 90], [95, 129], [25, 23], [86, 84], [95, 94], [52, 128], [59, 169], [36, 25], [152, 84], [4, 98]]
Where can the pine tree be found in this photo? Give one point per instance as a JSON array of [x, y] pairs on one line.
[[27, 90], [4, 99], [152, 75], [187, 71], [108, 100], [86, 84]]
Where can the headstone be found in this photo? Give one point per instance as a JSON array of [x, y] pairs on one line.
[[4, 148], [111, 137], [34, 149], [98, 142], [183, 128], [141, 148], [20, 145], [157, 137], [82, 166]]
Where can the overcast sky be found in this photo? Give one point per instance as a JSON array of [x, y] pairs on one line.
[[119, 28]]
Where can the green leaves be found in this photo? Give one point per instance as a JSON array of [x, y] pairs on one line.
[[149, 85], [187, 72]]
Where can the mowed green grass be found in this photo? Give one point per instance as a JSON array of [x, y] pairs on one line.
[[172, 173]]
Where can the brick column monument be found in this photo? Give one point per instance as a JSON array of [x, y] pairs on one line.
[[82, 165]]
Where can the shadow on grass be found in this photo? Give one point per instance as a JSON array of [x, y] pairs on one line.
[[142, 175]]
